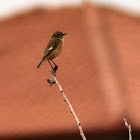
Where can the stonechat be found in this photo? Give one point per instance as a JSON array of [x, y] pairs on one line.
[[53, 49]]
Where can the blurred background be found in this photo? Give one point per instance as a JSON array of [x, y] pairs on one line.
[[10, 7], [99, 69]]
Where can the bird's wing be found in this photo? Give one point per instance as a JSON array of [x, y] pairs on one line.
[[53, 44]]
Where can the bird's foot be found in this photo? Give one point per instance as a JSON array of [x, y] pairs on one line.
[[55, 68]]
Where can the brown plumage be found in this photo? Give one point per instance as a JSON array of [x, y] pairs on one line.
[[53, 48]]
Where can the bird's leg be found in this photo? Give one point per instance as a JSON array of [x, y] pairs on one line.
[[56, 67], [50, 64]]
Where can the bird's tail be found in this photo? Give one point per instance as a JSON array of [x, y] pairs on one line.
[[40, 64]]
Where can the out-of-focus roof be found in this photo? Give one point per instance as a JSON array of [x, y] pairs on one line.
[[8, 7]]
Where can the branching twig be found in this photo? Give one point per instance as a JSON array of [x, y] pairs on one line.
[[128, 126], [51, 82]]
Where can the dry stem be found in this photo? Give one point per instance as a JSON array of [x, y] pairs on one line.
[[51, 82], [128, 126]]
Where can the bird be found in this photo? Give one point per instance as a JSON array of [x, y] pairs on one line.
[[53, 49]]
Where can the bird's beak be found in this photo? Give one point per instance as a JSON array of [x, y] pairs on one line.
[[65, 33]]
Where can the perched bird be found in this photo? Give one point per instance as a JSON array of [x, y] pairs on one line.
[[53, 49]]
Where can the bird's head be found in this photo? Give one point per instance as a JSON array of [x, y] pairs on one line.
[[59, 35]]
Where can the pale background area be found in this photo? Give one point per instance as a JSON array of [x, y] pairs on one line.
[[8, 7]]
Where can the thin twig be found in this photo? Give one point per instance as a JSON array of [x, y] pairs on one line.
[[54, 81], [128, 126]]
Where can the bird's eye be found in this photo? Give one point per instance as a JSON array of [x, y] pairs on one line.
[[58, 34]]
